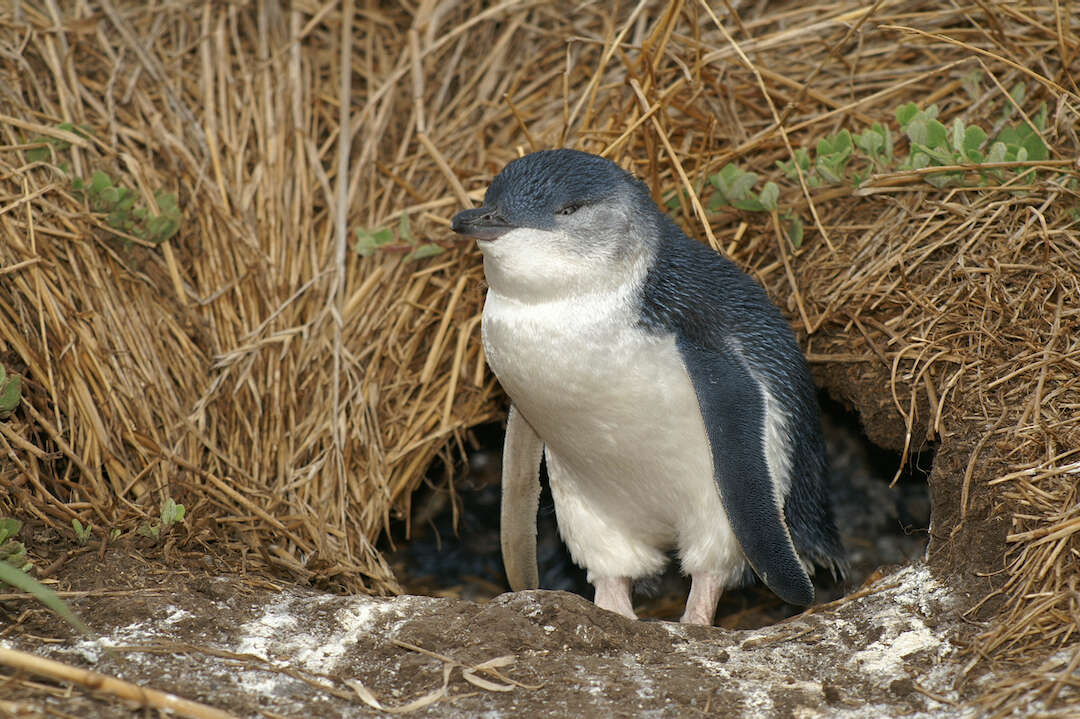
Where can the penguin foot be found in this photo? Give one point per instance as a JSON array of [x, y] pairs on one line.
[[705, 590], [613, 594]]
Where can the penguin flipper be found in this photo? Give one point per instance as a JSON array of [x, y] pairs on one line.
[[733, 408], [522, 451]]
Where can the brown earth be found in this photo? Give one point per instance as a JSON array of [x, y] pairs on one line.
[[254, 647]]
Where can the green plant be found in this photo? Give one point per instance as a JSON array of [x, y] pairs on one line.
[[11, 551], [846, 158], [13, 571], [370, 241], [118, 202], [104, 194], [10, 392], [52, 146], [82, 534], [171, 513], [734, 187]]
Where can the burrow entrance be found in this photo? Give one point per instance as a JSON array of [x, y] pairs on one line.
[[450, 546]]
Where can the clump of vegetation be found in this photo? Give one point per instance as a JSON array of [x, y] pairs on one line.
[[171, 513], [14, 568], [847, 158], [10, 392], [369, 241], [48, 148], [107, 195], [118, 203], [82, 534], [12, 551]]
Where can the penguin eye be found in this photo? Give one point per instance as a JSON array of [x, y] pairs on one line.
[[569, 209]]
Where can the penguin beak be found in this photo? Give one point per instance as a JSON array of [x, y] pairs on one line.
[[482, 223]]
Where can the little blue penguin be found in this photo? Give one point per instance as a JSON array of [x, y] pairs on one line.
[[667, 394]]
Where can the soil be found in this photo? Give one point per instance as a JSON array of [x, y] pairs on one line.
[[256, 648]]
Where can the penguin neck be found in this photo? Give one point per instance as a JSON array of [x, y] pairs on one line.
[[535, 267]]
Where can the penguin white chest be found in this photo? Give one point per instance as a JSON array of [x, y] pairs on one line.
[[628, 457]]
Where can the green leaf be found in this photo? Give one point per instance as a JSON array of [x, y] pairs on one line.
[[429, 250], [794, 231], [906, 113], [22, 581], [842, 142], [958, 134], [99, 182], [870, 142], [171, 512], [917, 131], [367, 241], [10, 392], [936, 135], [166, 202], [364, 245], [974, 137], [801, 158], [110, 196], [972, 84], [716, 201], [827, 171], [9, 527], [996, 153], [38, 154], [404, 231], [1040, 117], [734, 183], [160, 228], [770, 196], [743, 184], [82, 534], [1019, 92], [824, 146], [749, 204], [1034, 147]]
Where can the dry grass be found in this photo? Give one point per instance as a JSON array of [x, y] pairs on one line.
[[296, 395]]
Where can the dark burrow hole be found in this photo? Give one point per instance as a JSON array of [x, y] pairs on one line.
[[880, 527]]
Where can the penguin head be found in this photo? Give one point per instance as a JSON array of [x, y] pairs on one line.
[[560, 217]]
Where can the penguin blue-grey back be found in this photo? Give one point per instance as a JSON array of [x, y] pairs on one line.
[[664, 390]]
